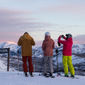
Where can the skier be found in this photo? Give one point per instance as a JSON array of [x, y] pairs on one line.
[[47, 47], [67, 54], [26, 42]]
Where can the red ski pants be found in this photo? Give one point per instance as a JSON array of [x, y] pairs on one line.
[[27, 59]]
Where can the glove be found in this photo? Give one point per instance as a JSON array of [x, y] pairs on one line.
[[62, 36]]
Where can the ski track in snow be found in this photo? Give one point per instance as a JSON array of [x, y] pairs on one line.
[[18, 78]]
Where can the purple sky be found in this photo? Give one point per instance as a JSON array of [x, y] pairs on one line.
[[38, 16]]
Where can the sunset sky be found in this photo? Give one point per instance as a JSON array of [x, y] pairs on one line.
[[38, 16]]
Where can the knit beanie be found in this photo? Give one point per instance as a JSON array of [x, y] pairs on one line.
[[47, 34]]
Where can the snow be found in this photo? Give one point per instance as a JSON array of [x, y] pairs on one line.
[[78, 48], [77, 60], [2, 66], [12, 45], [18, 78]]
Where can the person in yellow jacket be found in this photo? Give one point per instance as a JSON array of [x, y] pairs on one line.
[[26, 42], [67, 53]]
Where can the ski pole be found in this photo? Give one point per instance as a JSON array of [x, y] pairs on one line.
[[18, 60], [57, 62], [57, 58], [34, 61]]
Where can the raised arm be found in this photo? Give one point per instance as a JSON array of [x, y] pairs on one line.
[[20, 41], [33, 42], [61, 41]]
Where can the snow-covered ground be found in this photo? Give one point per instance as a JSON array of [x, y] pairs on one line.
[[15, 78], [2, 66]]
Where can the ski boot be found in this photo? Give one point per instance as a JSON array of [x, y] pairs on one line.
[[66, 75], [46, 75], [72, 76], [26, 75], [31, 74], [51, 75]]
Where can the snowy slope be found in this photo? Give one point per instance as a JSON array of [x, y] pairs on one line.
[[15, 78], [38, 53], [3, 67], [78, 48], [12, 45]]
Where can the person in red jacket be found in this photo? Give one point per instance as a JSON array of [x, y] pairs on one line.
[[67, 53], [47, 47]]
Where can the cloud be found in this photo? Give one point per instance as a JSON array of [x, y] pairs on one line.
[[13, 23], [19, 19], [67, 8], [11, 19], [80, 39]]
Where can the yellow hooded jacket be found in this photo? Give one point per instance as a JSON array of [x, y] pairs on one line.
[[26, 42]]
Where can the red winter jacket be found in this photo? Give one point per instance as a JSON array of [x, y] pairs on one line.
[[47, 46], [67, 46]]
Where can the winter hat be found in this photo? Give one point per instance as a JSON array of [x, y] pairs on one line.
[[26, 33], [68, 35], [47, 34]]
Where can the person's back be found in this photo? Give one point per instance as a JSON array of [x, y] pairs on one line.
[[26, 42], [48, 45]]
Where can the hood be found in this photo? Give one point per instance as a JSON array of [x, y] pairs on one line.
[[27, 36]]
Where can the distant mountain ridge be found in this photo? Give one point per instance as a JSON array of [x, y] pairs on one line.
[[13, 46], [78, 51], [78, 48]]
